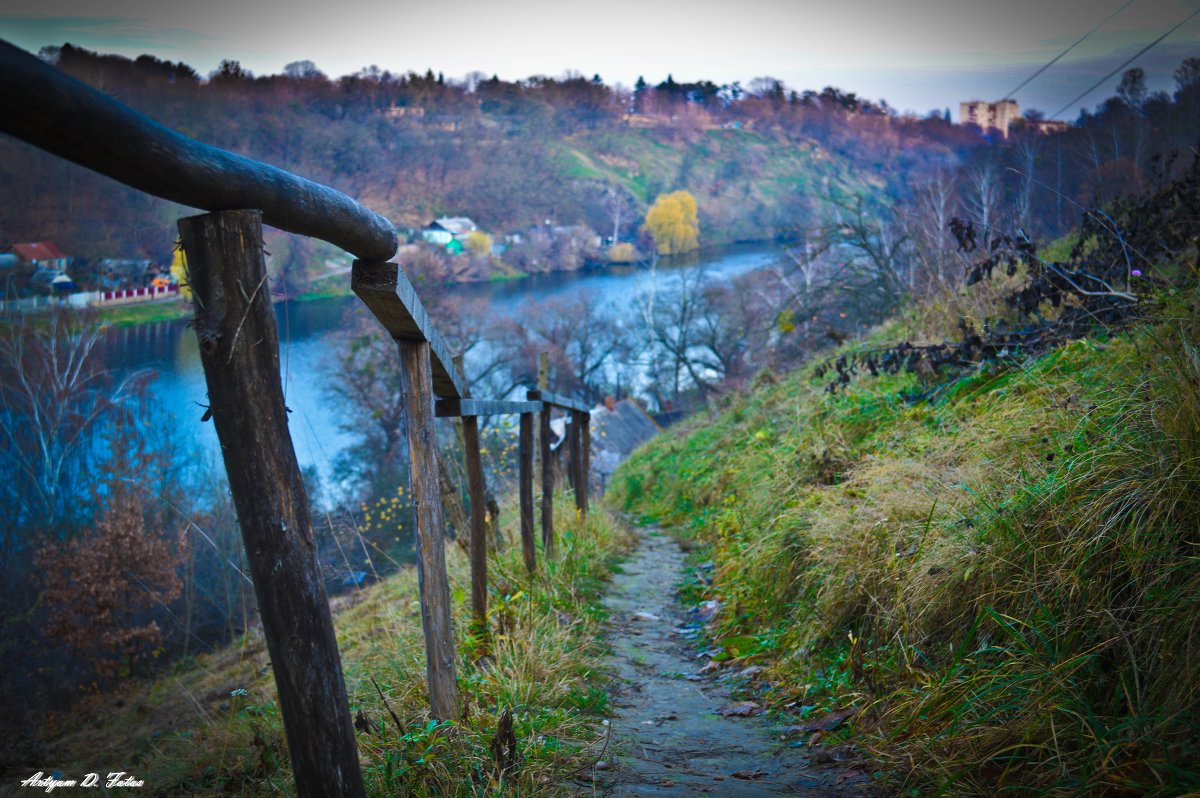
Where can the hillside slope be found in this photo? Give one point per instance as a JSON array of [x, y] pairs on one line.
[[211, 725], [1001, 577]]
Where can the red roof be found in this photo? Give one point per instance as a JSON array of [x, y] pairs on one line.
[[38, 251]]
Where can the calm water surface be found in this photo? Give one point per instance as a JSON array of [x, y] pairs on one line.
[[307, 332]]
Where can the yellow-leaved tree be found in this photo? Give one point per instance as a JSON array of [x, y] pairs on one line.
[[673, 224], [479, 243]]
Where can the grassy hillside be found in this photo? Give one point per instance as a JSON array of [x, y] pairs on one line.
[[1002, 577], [749, 186], [211, 726]]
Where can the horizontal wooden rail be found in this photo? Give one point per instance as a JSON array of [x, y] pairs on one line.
[[459, 408], [57, 113], [556, 400], [388, 294]]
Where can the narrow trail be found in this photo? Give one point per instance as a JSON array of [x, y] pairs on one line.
[[667, 735]]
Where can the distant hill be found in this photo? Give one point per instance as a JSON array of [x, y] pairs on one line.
[[512, 156]]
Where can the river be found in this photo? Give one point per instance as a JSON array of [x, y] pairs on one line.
[[307, 334]]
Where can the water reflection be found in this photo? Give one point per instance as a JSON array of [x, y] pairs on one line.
[[307, 336]]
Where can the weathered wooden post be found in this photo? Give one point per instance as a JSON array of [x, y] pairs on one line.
[[547, 462], [578, 433], [525, 480], [417, 386], [239, 348], [572, 466], [391, 298], [476, 492], [586, 460]]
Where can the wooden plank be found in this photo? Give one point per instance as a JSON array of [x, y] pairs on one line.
[[525, 487], [455, 408], [547, 481], [577, 434], [476, 492], [572, 447], [586, 464], [57, 113], [559, 401], [239, 349], [547, 463], [417, 385], [385, 289]]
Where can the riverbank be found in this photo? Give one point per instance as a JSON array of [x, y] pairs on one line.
[[320, 288]]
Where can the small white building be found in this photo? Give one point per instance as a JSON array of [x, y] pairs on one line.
[[989, 116], [448, 228]]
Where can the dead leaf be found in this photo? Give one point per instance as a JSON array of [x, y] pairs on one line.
[[748, 775], [825, 756], [827, 722], [742, 709], [831, 720]]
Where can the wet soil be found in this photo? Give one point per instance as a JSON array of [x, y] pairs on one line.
[[667, 736]]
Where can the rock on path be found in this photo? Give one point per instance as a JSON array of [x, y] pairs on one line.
[[667, 738]]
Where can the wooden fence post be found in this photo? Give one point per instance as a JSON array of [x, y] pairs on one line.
[[572, 467], [547, 461], [525, 479], [577, 435], [417, 384], [477, 493], [586, 460], [239, 349]]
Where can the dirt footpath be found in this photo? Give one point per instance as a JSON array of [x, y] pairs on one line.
[[668, 738]]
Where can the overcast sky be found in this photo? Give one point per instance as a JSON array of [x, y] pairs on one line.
[[916, 55]]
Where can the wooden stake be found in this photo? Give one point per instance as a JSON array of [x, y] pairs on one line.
[[239, 349], [547, 462], [476, 491], [586, 460], [417, 386], [475, 488], [526, 490]]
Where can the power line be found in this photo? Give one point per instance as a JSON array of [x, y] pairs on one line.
[[1058, 57], [1127, 62]]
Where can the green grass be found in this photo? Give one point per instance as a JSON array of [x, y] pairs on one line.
[[1004, 578], [145, 313], [211, 725]]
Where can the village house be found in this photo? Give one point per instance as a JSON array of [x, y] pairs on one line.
[[450, 232], [51, 281], [42, 255], [42, 267], [126, 273]]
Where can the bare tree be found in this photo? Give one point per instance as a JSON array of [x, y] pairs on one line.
[[983, 199], [580, 337], [927, 221]]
